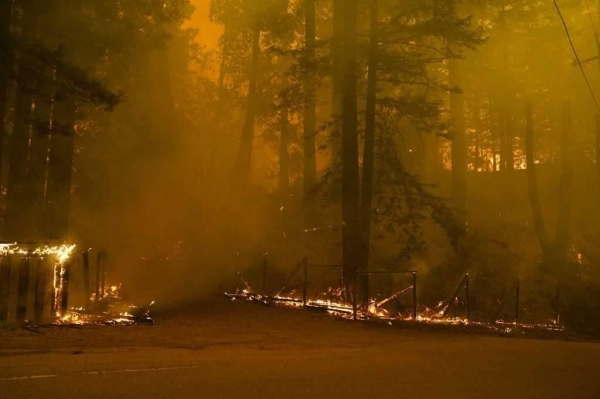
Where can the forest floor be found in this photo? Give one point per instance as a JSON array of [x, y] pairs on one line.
[[219, 348]]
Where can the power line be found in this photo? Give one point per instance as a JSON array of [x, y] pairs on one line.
[[587, 4], [576, 55]]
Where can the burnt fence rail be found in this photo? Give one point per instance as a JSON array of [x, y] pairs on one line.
[[367, 273], [300, 277]]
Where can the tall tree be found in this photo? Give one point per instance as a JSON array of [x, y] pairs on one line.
[[216, 139], [337, 76], [310, 106], [554, 252], [60, 167], [532, 184], [565, 192], [284, 156], [5, 62], [244, 154], [17, 198], [459, 144], [368, 172], [350, 176]]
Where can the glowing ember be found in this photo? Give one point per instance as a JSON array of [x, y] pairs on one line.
[[112, 312], [61, 252], [374, 310]]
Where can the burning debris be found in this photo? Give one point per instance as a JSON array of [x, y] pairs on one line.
[[110, 309], [104, 306], [389, 308]]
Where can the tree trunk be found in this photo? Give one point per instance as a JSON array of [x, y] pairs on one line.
[[60, 166], [284, 156], [459, 145], [598, 114], [216, 137], [244, 155], [366, 199], [5, 63], [534, 198], [493, 139], [38, 156], [510, 158], [502, 134], [337, 77], [350, 183], [16, 199], [310, 110], [40, 137], [477, 155], [565, 195], [598, 152]]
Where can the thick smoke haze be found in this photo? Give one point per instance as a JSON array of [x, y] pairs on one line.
[[440, 136]]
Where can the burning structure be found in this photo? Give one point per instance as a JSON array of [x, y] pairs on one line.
[[52, 272]]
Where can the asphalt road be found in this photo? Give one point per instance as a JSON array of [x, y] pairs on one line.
[[247, 351], [530, 369]]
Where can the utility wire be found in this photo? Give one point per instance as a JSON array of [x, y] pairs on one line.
[[576, 56], [587, 5]]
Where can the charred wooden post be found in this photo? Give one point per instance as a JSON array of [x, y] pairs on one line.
[[5, 269], [23, 288], [305, 283], [517, 300], [557, 317], [40, 289], [103, 277], [365, 289], [467, 297], [64, 301], [55, 290], [86, 277], [354, 299], [264, 276], [98, 272], [414, 295]]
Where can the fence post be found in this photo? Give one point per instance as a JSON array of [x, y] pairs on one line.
[[414, 315], [354, 299], [264, 276], [98, 273], [86, 277], [5, 269], [23, 288], [467, 297], [557, 319], [305, 282], [517, 300], [40, 289], [103, 276]]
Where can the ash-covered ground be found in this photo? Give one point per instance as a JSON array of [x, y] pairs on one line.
[[232, 349]]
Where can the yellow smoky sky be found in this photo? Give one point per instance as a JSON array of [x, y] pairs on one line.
[[208, 33]]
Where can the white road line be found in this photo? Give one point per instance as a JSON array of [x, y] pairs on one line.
[[28, 377], [33, 377]]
